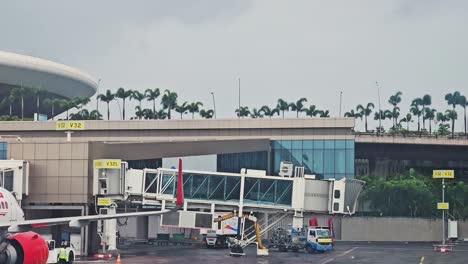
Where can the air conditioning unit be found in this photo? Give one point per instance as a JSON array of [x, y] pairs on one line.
[[286, 169]]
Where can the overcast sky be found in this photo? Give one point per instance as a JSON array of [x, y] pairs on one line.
[[279, 49]]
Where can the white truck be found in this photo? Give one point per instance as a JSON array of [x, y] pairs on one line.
[[53, 253], [218, 236]]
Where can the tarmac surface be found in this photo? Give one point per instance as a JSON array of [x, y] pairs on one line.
[[344, 252]]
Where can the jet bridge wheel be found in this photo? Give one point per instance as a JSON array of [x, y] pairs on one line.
[[237, 251]]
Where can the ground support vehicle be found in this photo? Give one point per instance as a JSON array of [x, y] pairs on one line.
[[312, 239], [54, 252]]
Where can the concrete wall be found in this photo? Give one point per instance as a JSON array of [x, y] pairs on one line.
[[395, 229]]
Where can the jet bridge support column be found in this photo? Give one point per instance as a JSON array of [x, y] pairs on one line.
[[110, 230]]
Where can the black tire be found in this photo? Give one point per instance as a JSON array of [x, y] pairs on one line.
[[309, 249], [71, 257], [236, 250]]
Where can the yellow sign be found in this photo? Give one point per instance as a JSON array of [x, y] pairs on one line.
[[443, 174], [103, 201], [69, 125], [107, 164], [324, 240], [443, 206]]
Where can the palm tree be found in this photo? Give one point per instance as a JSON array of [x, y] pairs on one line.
[[80, 101], [453, 98], [298, 106], [256, 113], [353, 114], [20, 93], [426, 100], [394, 100], [137, 96], [207, 113], [365, 111], [95, 115], [243, 112], [452, 115], [123, 94], [107, 98], [139, 112], [443, 128], [149, 114], [9, 100], [152, 95], [407, 119], [312, 111], [382, 115], [395, 113], [282, 106], [430, 114], [51, 103], [38, 93], [269, 112], [416, 111], [194, 108], [463, 103], [161, 114], [325, 113], [182, 109], [169, 101]]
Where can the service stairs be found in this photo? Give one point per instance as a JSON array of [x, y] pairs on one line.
[[266, 223]]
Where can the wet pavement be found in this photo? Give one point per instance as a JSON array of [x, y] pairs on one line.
[[344, 252]]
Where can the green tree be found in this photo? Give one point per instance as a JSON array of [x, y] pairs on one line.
[[161, 114], [107, 98], [52, 102], [351, 113], [80, 101], [255, 113], [138, 96], [312, 111], [430, 114], [194, 108], [394, 100], [443, 128], [123, 94], [298, 106], [9, 100], [452, 116], [267, 111], [407, 119], [365, 111], [324, 113], [182, 109], [207, 113], [169, 101], [282, 106], [416, 111], [152, 95], [243, 111], [139, 113], [20, 93], [38, 94], [426, 100]]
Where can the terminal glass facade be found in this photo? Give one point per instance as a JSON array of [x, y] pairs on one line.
[[234, 162], [324, 158], [3, 150]]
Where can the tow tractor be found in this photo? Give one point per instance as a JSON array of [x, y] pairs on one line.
[[220, 235], [53, 252], [312, 239]]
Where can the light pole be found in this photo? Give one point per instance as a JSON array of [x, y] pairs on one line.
[[341, 94], [214, 104], [380, 110], [239, 101], [97, 99]]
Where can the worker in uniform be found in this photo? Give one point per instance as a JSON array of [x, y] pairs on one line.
[[62, 254]]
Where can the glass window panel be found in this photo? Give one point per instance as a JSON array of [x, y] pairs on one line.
[[329, 161], [286, 155], [329, 144], [350, 144], [340, 144], [318, 161], [297, 144], [2, 146], [340, 161], [350, 161], [267, 190], [276, 161], [318, 144], [297, 157], [216, 188], [286, 144], [251, 191], [284, 192], [329, 176], [307, 144], [307, 161], [339, 176], [276, 144], [232, 191]]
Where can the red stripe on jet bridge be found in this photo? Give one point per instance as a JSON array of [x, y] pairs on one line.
[[3, 214], [39, 225]]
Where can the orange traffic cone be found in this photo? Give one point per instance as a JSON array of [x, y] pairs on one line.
[[118, 259]]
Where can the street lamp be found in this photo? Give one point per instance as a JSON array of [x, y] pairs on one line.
[[214, 104]]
